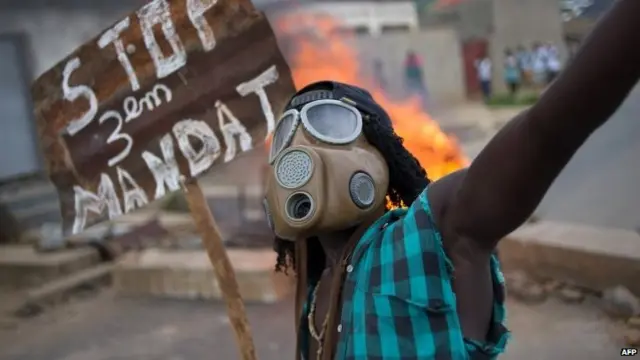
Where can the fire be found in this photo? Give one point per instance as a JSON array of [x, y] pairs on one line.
[[319, 53]]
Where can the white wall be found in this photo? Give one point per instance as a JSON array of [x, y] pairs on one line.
[[19, 153], [440, 51], [54, 33], [372, 15]]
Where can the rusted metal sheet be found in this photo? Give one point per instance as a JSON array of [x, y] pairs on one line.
[[162, 96]]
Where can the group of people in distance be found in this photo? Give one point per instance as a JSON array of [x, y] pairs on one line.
[[535, 68]]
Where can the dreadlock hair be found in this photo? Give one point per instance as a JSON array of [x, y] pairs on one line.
[[407, 179]]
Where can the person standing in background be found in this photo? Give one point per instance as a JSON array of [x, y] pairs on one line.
[[511, 72], [378, 75], [524, 63], [414, 80], [539, 62], [553, 62], [483, 67]]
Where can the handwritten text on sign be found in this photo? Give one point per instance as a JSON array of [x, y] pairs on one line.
[[125, 127]]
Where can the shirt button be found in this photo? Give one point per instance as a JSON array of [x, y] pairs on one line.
[[349, 268], [340, 328]]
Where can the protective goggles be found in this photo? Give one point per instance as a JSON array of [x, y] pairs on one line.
[[330, 121]]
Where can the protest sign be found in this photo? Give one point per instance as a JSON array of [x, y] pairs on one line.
[[161, 97]]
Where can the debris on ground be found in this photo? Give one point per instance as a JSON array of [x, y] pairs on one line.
[[634, 322], [619, 302], [57, 289], [571, 295], [524, 289], [552, 285], [28, 310], [51, 238], [632, 337]]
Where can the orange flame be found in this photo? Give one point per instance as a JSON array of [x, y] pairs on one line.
[[322, 53]]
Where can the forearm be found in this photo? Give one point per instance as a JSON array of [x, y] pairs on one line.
[[510, 176], [498, 194]]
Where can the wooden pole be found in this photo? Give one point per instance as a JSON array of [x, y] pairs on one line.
[[223, 270]]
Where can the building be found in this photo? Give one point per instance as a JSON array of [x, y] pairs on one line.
[[579, 18], [365, 17], [491, 26]]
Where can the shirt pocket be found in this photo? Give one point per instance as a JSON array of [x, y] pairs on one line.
[[428, 288], [391, 327], [435, 303], [427, 292]]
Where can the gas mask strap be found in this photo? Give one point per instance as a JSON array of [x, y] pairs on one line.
[[310, 96], [301, 287], [330, 341]]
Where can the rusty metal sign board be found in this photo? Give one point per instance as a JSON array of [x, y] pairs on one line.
[[161, 97]]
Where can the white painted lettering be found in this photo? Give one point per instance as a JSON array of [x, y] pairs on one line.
[[117, 135], [72, 93], [257, 86], [86, 201], [199, 161], [132, 194], [164, 172], [195, 11], [158, 12], [113, 36], [133, 108], [231, 129]]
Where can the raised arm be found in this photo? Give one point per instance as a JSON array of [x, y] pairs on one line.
[[509, 178]]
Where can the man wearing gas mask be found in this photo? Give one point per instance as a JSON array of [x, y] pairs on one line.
[[380, 282]]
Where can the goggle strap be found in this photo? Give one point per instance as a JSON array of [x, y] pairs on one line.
[[310, 96]]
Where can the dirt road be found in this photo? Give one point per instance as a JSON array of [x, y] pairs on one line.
[[110, 328]]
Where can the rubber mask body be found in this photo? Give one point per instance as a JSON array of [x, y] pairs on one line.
[[311, 186]]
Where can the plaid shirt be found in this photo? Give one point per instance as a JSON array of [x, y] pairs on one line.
[[398, 301]]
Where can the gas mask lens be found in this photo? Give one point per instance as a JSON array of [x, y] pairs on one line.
[[283, 133], [330, 121]]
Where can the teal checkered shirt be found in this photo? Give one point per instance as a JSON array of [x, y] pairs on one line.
[[398, 301]]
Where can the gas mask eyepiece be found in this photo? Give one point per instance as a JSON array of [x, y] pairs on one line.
[[329, 121]]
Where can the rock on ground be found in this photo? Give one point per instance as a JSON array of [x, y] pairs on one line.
[[619, 302], [522, 288], [632, 337]]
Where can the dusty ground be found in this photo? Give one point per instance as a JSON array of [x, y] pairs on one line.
[[105, 326]]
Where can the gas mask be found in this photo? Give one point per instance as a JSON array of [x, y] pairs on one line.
[[324, 176]]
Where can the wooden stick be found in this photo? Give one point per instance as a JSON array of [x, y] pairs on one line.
[[223, 270]]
